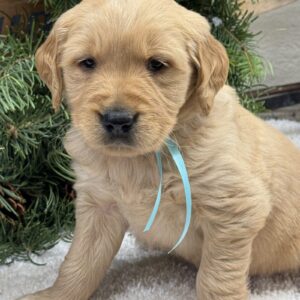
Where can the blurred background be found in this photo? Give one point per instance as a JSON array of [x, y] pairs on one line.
[[279, 43]]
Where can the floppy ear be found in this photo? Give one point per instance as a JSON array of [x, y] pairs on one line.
[[211, 63], [47, 63]]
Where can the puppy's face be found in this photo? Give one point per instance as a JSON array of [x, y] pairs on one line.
[[128, 67]]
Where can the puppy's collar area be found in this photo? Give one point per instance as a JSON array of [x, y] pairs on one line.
[[179, 161]]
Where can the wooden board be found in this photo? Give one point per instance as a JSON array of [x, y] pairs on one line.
[[16, 13]]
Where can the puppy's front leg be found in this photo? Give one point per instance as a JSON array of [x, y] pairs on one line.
[[224, 268], [99, 231], [226, 253]]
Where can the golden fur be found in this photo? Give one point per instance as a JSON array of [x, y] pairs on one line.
[[245, 175]]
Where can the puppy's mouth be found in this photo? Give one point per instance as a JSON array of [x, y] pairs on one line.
[[121, 146], [127, 133], [119, 141]]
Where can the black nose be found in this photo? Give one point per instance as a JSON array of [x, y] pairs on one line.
[[118, 122]]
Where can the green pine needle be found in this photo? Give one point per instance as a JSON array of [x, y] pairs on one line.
[[35, 175]]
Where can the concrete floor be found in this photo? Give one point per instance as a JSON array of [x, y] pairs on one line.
[[279, 43]]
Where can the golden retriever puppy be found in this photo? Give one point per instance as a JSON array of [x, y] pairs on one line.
[[135, 72]]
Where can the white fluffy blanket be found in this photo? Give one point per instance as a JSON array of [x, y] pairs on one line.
[[138, 274]]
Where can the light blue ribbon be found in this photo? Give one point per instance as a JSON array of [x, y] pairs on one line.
[[178, 159], [158, 198]]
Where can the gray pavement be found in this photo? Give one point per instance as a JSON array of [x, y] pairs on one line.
[[280, 43]]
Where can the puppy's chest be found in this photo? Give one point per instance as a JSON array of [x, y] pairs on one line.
[[137, 189], [136, 195]]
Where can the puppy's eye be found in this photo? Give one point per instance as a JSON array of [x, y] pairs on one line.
[[155, 65], [88, 63]]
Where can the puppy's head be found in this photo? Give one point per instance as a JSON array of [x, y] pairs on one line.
[[127, 68]]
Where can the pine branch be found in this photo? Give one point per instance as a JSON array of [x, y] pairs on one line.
[[35, 172]]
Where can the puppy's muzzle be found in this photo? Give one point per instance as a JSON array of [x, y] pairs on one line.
[[118, 123]]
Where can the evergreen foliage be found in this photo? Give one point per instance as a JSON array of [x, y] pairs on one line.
[[34, 195], [35, 175]]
